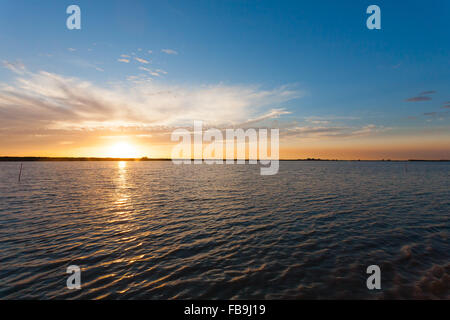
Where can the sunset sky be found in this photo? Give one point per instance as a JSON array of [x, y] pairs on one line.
[[137, 70]]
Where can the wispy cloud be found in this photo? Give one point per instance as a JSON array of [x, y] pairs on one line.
[[169, 51], [16, 67], [423, 96], [332, 131], [321, 122], [418, 98], [271, 114], [329, 119], [427, 92], [141, 60], [153, 73], [71, 49], [123, 60]]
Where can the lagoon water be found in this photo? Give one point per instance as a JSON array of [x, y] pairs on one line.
[[154, 230]]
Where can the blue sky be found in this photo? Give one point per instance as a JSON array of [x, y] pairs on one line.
[[342, 71]]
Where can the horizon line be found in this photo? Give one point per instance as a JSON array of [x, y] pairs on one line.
[[41, 158]]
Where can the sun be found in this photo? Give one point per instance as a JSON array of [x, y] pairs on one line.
[[123, 150]]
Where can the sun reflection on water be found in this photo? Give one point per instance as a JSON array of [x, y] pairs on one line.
[[121, 184]]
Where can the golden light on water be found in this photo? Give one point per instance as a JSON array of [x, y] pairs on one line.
[[122, 194]]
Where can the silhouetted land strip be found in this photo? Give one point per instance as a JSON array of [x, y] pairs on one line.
[[166, 159]]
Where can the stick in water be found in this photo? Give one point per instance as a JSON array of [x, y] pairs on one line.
[[20, 172]]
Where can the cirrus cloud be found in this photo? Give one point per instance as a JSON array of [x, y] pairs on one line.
[[418, 98], [423, 96], [141, 60], [169, 51]]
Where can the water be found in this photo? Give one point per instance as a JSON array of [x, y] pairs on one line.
[[153, 230]]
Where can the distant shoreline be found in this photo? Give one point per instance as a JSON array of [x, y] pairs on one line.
[[24, 159]]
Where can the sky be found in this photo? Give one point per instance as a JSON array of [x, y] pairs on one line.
[[138, 70]]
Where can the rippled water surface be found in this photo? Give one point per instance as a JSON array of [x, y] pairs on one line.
[[154, 230]]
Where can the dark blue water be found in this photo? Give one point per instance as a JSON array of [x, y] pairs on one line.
[[153, 230]]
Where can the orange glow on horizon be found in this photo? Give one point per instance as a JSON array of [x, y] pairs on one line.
[[394, 147]]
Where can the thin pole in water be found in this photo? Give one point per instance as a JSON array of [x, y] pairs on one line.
[[20, 172]]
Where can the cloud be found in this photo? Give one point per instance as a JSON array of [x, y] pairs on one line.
[[16, 67], [125, 56], [369, 129], [419, 98], [71, 49], [310, 131], [427, 92], [169, 51], [150, 51], [123, 60], [153, 73], [318, 121], [332, 131], [423, 96], [141, 60], [273, 113], [328, 119], [139, 79], [48, 103]]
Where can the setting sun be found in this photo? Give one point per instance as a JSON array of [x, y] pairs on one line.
[[123, 150]]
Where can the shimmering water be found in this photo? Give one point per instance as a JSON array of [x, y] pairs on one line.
[[154, 230]]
